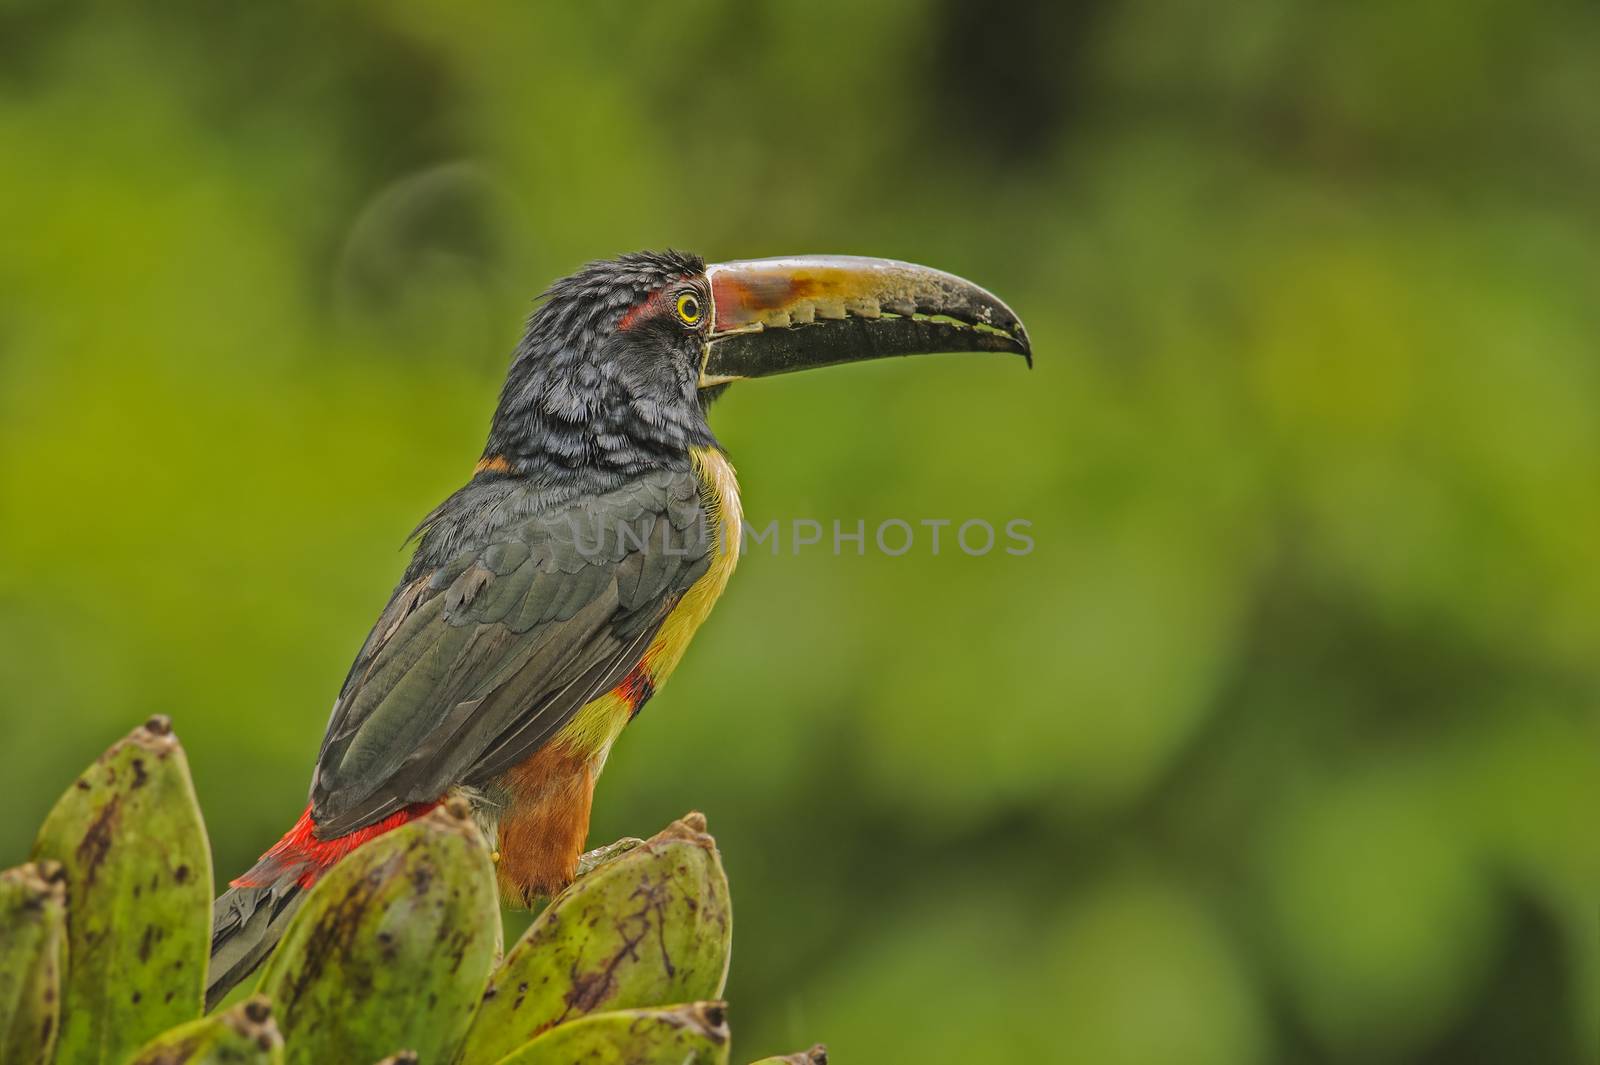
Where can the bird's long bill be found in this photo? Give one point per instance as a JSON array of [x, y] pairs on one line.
[[778, 315]]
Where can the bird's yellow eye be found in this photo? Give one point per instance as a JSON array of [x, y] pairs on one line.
[[689, 308]]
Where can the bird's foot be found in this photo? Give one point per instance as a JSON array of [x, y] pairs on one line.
[[589, 861]]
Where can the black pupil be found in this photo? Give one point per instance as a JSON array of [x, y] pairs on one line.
[[691, 307]]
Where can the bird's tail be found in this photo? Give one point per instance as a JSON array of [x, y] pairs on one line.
[[248, 919], [246, 923]]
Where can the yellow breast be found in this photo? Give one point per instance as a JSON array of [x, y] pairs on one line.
[[597, 725], [719, 494]]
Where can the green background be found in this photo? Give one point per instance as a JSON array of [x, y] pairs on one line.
[[1282, 743]]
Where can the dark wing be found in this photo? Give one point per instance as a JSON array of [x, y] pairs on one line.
[[479, 659]]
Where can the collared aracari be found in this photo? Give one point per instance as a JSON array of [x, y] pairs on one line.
[[553, 594]]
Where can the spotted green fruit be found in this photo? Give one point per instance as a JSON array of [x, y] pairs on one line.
[[129, 837], [243, 1035], [392, 948], [695, 1034], [33, 928], [651, 926]]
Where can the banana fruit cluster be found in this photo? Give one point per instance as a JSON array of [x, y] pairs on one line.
[[396, 956]]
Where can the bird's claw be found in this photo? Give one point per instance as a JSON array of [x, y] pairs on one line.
[[589, 861]]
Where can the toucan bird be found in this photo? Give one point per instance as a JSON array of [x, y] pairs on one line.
[[554, 593]]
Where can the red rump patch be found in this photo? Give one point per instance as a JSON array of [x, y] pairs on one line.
[[300, 851]]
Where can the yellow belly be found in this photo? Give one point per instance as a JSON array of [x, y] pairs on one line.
[[597, 725]]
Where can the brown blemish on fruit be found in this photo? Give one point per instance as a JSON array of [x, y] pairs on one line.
[[96, 843]]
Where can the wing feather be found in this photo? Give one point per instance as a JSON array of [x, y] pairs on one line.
[[483, 655]]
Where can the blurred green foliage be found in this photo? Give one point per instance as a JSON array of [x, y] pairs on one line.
[[1282, 744]]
